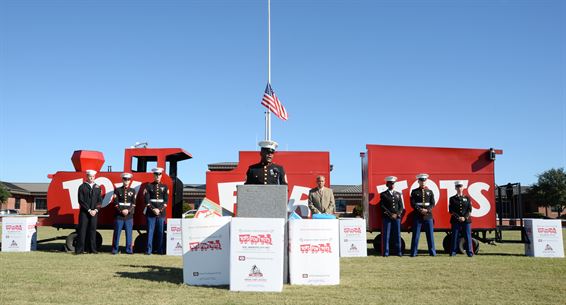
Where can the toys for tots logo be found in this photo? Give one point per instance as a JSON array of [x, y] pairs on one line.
[[315, 248], [14, 228], [352, 230], [259, 239], [211, 245], [546, 230]]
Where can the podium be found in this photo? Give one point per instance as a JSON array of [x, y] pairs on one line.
[[262, 201], [265, 201]]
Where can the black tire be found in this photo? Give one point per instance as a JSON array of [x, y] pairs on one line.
[[140, 243], [403, 247], [446, 243], [98, 241], [476, 246], [462, 245], [377, 245], [164, 244], [71, 242]]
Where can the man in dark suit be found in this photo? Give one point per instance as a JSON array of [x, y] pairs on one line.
[[124, 200], [156, 196], [460, 208], [392, 209], [422, 201], [90, 202]]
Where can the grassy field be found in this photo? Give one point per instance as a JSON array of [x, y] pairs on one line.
[[499, 275]]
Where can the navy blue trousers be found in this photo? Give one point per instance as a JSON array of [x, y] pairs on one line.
[[391, 229], [467, 228], [155, 223], [127, 225], [429, 230]]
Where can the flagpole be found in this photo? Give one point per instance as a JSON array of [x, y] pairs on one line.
[[268, 112]]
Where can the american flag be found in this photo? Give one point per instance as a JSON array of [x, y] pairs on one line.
[[272, 103]]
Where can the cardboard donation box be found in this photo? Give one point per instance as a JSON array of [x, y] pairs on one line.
[[206, 251], [18, 233], [174, 239], [353, 239], [313, 252], [256, 254], [544, 238]]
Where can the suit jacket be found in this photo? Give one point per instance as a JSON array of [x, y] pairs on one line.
[[423, 199], [391, 204], [271, 173], [460, 207], [90, 198], [322, 201]]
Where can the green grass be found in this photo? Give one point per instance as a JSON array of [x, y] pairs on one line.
[[499, 275]]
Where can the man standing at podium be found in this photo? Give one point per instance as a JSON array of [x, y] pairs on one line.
[[266, 172]]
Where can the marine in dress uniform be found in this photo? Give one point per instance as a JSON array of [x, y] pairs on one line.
[[156, 196], [321, 199], [392, 208], [90, 202], [460, 208], [124, 201], [422, 201], [266, 172]]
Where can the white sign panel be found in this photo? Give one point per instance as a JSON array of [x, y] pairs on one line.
[[174, 237], [353, 239], [544, 238], [313, 252], [206, 246], [17, 233], [256, 254]]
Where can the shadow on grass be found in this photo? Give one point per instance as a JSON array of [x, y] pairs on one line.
[[160, 274], [500, 254], [155, 273]]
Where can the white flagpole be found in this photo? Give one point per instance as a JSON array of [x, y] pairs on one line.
[[268, 112]]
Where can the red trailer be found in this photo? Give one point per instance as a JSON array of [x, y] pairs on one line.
[[301, 168], [444, 165], [62, 198]]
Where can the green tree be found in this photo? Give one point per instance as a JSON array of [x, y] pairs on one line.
[[550, 190], [4, 194]]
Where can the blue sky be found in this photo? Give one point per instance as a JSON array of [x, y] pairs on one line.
[[101, 75]]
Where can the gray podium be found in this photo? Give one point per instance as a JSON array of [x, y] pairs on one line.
[[265, 201]]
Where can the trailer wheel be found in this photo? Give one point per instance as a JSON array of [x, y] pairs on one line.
[[98, 241], [446, 243], [71, 242], [140, 244], [377, 245], [462, 245], [476, 246]]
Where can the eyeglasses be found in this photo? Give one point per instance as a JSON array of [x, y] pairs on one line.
[[127, 179], [157, 174]]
